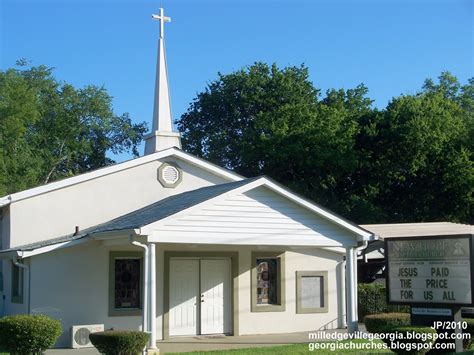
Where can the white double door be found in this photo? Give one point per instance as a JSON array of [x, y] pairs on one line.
[[199, 296]]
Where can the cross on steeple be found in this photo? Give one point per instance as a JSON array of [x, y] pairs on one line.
[[162, 135], [162, 18]]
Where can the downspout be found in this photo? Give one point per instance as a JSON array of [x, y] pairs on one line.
[[351, 287], [145, 326], [364, 245], [27, 271]]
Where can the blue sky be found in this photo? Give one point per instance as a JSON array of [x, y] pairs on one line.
[[390, 46]]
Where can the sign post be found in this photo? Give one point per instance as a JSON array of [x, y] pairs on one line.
[[434, 275]]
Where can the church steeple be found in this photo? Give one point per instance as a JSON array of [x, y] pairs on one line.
[[162, 135]]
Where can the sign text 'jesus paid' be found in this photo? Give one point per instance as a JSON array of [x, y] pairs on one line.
[[434, 270]]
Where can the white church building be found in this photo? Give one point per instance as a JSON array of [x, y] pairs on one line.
[[177, 246]]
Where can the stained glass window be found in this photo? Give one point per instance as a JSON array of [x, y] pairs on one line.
[[127, 283], [267, 281]]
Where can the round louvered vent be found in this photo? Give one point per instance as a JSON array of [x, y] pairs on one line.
[[82, 336], [169, 174]]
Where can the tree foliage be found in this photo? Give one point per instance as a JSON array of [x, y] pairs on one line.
[[50, 129], [411, 161], [424, 166]]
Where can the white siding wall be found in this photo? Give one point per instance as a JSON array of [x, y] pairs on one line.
[[92, 202], [257, 215], [72, 285]]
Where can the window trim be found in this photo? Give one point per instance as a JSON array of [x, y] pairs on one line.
[[281, 306], [21, 282], [116, 312], [299, 307]]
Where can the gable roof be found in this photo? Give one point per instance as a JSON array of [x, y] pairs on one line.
[[172, 205], [178, 203], [167, 207], [21, 195]]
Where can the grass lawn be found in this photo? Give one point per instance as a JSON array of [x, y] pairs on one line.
[[297, 349], [290, 349], [293, 349]]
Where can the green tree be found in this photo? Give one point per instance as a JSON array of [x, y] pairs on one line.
[[424, 159], [50, 130], [271, 121], [411, 161]]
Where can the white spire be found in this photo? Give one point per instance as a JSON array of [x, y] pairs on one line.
[[162, 135]]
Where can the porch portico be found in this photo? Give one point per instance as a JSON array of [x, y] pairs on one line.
[[229, 226], [244, 318]]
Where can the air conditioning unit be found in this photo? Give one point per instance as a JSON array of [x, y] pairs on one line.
[[80, 335]]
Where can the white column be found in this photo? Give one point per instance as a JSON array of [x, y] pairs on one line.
[[351, 291], [342, 297], [145, 292], [152, 285]]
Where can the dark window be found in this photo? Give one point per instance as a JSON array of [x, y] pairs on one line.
[[127, 283], [17, 284], [267, 281]]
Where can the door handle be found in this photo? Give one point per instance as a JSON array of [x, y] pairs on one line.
[[202, 301]]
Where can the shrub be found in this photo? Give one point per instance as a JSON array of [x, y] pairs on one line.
[[470, 330], [26, 334], [420, 341], [382, 322], [119, 342], [372, 299]]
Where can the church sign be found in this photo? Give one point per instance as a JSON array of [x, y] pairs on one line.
[[433, 270]]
